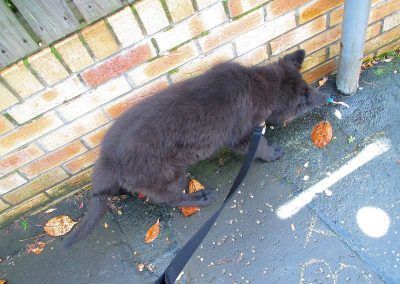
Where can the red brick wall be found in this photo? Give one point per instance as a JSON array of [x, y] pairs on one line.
[[57, 104]]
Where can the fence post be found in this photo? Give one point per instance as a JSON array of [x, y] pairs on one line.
[[355, 22]]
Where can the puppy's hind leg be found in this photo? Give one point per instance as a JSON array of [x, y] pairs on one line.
[[172, 195]]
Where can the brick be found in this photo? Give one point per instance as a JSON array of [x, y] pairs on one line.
[[373, 30], [74, 53], [3, 206], [165, 63], [279, 7], [19, 158], [47, 99], [383, 10], [179, 10], [298, 35], [391, 21], [94, 138], [253, 57], [190, 28], [94, 98], [221, 35], [36, 186], [323, 39], [16, 211], [264, 33], [320, 71], [313, 60], [117, 107], [10, 182], [5, 125], [28, 133], [125, 27], [75, 183], [83, 161], [238, 7], [119, 64], [152, 15], [316, 8], [52, 160], [283, 53], [203, 63], [7, 98], [73, 130], [47, 66], [334, 50], [392, 46], [336, 17], [100, 40], [382, 40], [21, 79], [201, 4]]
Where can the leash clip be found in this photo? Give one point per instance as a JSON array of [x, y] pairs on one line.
[[264, 126]]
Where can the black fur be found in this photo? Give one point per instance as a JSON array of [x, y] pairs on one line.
[[150, 146]]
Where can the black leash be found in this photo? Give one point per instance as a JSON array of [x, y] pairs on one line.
[[178, 263]]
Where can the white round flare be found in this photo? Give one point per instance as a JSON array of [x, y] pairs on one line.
[[373, 221]]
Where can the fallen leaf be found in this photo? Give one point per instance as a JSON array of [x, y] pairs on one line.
[[388, 59], [321, 135], [81, 205], [2, 281], [140, 195], [195, 185], [35, 248], [59, 225], [50, 210], [152, 232], [189, 210], [328, 192], [322, 81]]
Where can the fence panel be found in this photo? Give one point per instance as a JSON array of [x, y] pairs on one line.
[[15, 42], [92, 10], [50, 20]]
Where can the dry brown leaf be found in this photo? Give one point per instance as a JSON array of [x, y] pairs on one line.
[[195, 185], [322, 81], [322, 133], [35, 248], [189, 210], [59, 225], [3, 281], [152, 232]]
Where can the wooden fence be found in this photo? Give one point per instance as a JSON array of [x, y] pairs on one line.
[[27, 25]]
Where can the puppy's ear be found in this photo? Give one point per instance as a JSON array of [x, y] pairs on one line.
[[296, 58]]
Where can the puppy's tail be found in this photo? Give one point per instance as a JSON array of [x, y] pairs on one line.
[[98, 206]]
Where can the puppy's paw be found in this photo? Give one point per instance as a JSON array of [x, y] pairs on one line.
[[207, 196], [274, 153]]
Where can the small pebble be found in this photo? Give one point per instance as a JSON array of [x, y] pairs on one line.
[[328, 192], [306, 165], [306, 177]]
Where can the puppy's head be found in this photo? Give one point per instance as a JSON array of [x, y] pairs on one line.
[[295, 96]]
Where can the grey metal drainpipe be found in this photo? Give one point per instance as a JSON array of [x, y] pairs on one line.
[[355, 22]]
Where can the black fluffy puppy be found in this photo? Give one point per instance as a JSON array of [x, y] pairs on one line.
[[150, 146]]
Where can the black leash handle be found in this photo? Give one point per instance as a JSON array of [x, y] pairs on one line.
[[178, 263]]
